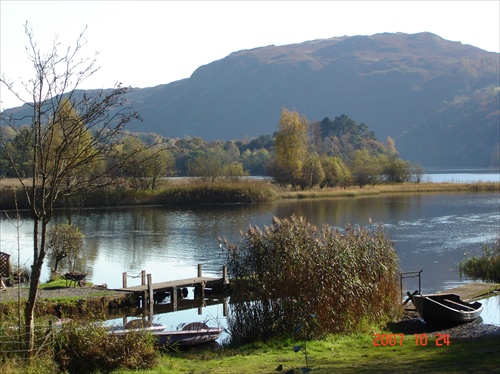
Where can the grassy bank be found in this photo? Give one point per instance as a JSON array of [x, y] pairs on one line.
[[344, 354], [334, 354], [354, 353], [190, 191], [353, 192]]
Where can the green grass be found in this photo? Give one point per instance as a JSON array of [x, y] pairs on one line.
[[353, 353], [56, 283], [339, 354]]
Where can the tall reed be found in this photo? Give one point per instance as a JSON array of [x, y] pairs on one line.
[[291, 270], [486, 267]]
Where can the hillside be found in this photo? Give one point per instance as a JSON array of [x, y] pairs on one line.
[[438, 99]]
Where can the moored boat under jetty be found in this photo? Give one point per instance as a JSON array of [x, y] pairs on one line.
[[446, 309], [191, 334]]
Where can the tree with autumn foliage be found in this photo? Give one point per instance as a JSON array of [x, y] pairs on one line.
[[291, 148]]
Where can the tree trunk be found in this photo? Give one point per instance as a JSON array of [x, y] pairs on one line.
[[29, 311], [36, 271]]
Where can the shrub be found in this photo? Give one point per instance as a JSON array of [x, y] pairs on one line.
[[291, 270], [89, 348], [486, 267]]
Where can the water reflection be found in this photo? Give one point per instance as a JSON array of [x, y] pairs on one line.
[[491, 311], [431, 232], [212, 311]]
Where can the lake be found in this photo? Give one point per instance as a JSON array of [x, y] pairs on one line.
[[431, 232], [461, 175]]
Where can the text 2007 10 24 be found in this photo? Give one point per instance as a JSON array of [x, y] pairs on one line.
[[384, 340]]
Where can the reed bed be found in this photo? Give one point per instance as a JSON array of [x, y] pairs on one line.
[[243, 191], [224, 191], [486, 267], [293, 277]]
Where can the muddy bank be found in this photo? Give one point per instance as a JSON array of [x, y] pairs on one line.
[[66, 301]]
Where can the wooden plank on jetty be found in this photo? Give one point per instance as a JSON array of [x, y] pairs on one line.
[[147, 290], [181, 283]]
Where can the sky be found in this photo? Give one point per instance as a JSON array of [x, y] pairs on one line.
[[148, 43]]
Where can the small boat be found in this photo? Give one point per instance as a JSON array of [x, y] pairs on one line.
[[446, 309], [191, 334], [136, 325]]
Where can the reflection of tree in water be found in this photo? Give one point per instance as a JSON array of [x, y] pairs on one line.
[[131, 236]]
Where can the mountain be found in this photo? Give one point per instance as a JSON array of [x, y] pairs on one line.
[[438, 99]]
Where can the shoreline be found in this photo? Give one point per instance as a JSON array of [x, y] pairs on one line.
[[240, 192], [412, 323]]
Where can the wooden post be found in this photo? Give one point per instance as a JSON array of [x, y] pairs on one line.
[[151, 311], [143, 277], [124, 279], [200, 307], [150, 289], [174, 298], [199, 270], [225, 307], [224, 275]]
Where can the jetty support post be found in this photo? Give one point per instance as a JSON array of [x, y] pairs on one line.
[[151, 299], [145, 293], [199, 270], [174, 298], [124, 279], [225, 280]]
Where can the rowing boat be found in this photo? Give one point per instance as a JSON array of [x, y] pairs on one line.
[[446, 309]]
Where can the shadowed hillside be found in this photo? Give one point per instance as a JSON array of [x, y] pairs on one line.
[[438, 99]]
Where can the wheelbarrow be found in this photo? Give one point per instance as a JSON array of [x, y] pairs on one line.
[[75, 278]]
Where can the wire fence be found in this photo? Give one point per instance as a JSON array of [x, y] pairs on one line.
[[13, 342]]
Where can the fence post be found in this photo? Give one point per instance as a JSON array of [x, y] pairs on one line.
[[199, 270], [124, 279]]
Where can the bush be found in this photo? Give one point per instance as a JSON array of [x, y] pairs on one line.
[[90, 348], [286, 273], [486, 267]]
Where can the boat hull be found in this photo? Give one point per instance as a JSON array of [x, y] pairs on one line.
[[446, 309], [186, 338], [192, 334]]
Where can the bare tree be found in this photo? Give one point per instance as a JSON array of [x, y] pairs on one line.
[[70, 133]]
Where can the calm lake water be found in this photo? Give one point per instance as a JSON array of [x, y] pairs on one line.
[[461, 175], [432, 232]]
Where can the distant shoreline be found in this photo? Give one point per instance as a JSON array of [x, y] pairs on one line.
[[185, 192]]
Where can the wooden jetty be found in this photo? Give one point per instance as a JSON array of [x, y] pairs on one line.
[[147, 288]]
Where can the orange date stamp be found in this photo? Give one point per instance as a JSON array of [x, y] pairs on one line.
[[391, 340]]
